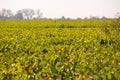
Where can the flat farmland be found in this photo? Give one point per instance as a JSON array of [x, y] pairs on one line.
[[59, 50]]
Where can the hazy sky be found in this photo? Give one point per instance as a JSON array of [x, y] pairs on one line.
[[67, 8]]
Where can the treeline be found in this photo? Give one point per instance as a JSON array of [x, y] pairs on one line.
[[37, 14], [21, 14]]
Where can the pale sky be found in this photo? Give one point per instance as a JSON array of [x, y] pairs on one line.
[[67, 8]]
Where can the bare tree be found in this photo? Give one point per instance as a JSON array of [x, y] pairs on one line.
[[28, 13], [19, 15], [31, 13], [2, 13], [6, 14], [38, 14]]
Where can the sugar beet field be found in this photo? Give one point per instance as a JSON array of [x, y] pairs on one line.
[[59, 50]]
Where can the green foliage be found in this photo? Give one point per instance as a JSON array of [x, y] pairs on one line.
[[53, 23], [30, 52], [113, 29]]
